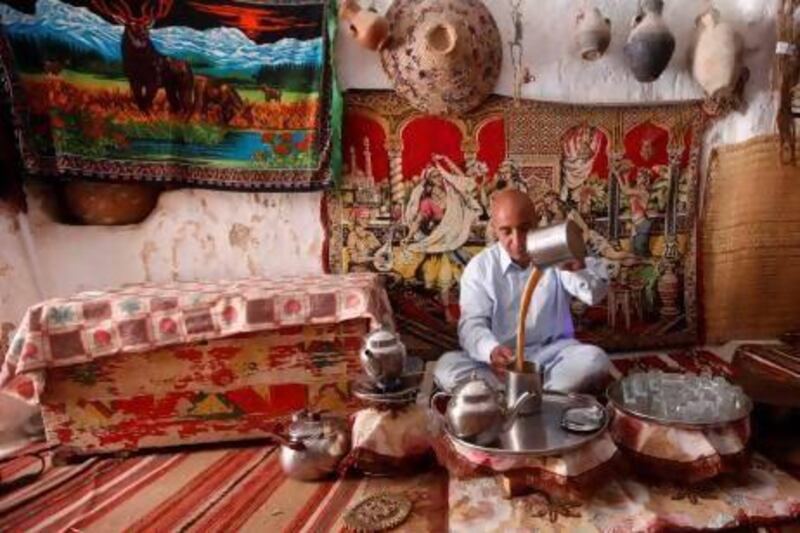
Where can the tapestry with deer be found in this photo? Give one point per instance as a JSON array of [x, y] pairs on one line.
[[214, 93], [416, 193]]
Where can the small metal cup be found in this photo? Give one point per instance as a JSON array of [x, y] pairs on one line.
[[518, 383]]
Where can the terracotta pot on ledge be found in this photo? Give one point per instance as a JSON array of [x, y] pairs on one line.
[[109, 204]]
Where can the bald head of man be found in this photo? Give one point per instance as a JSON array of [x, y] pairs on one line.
[[513, 215]]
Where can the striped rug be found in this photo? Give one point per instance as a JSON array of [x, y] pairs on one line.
[[241, 489], [24, 461], [228, 489]]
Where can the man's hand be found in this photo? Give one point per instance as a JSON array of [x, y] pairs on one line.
[[501, 357], [572, 265]]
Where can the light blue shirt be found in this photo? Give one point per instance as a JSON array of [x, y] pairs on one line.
[[491, 292]]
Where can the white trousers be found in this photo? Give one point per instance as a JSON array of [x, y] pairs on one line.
[[569, 366]]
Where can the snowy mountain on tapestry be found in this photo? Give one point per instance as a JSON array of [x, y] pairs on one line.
[[207, 92]]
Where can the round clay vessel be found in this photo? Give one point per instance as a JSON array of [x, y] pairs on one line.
[[650, 44], [109, 204], [443, 56], [716, 63], [592, 33]]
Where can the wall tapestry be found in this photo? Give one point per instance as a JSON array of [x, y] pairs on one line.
[[414, 205], [214, 93]]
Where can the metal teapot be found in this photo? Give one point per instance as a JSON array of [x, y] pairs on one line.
[[383, 357], [475, 411], [313, 446]]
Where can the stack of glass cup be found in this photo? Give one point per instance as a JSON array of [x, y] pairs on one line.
[[685, 398]]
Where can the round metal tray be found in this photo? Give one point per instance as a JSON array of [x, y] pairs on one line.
[[615, 398], [365, 389], [540, 433]]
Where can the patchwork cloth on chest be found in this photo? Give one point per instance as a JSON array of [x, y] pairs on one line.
[[153, 366], [140, 318]]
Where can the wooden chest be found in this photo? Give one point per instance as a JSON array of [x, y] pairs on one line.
[[163, 366]]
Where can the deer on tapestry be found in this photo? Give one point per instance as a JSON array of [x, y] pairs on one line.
[[147, 69]]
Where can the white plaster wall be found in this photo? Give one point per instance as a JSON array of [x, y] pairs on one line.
[[17, 285], [196, 234], [192, 234], [562, 76]]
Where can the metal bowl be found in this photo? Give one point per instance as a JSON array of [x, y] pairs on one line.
[[541, 433], [615, 398]]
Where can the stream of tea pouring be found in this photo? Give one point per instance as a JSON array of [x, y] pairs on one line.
[[546, 247]]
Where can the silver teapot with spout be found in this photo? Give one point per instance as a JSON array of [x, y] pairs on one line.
[[384, 358], [475, 411], [313, 446]]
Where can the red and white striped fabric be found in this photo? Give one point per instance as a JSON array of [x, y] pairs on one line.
[[239, 489], [26, 461]]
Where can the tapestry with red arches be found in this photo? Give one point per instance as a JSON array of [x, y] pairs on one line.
[[416, 190]]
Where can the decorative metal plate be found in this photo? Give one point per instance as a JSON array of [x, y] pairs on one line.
[[541, 433], [378, 512], [615, 398]]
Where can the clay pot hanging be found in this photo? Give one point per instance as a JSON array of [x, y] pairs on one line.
[[443, 56], [717, 63], [592, 33], [109, 204], [368, 28], [650, 44]]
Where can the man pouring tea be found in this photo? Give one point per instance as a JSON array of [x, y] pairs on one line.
[[491, 295]]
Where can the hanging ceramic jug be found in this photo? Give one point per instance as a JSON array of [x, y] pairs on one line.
[[650, 44], [443, 56], [717, 63], [368, 28], [592, 33]]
